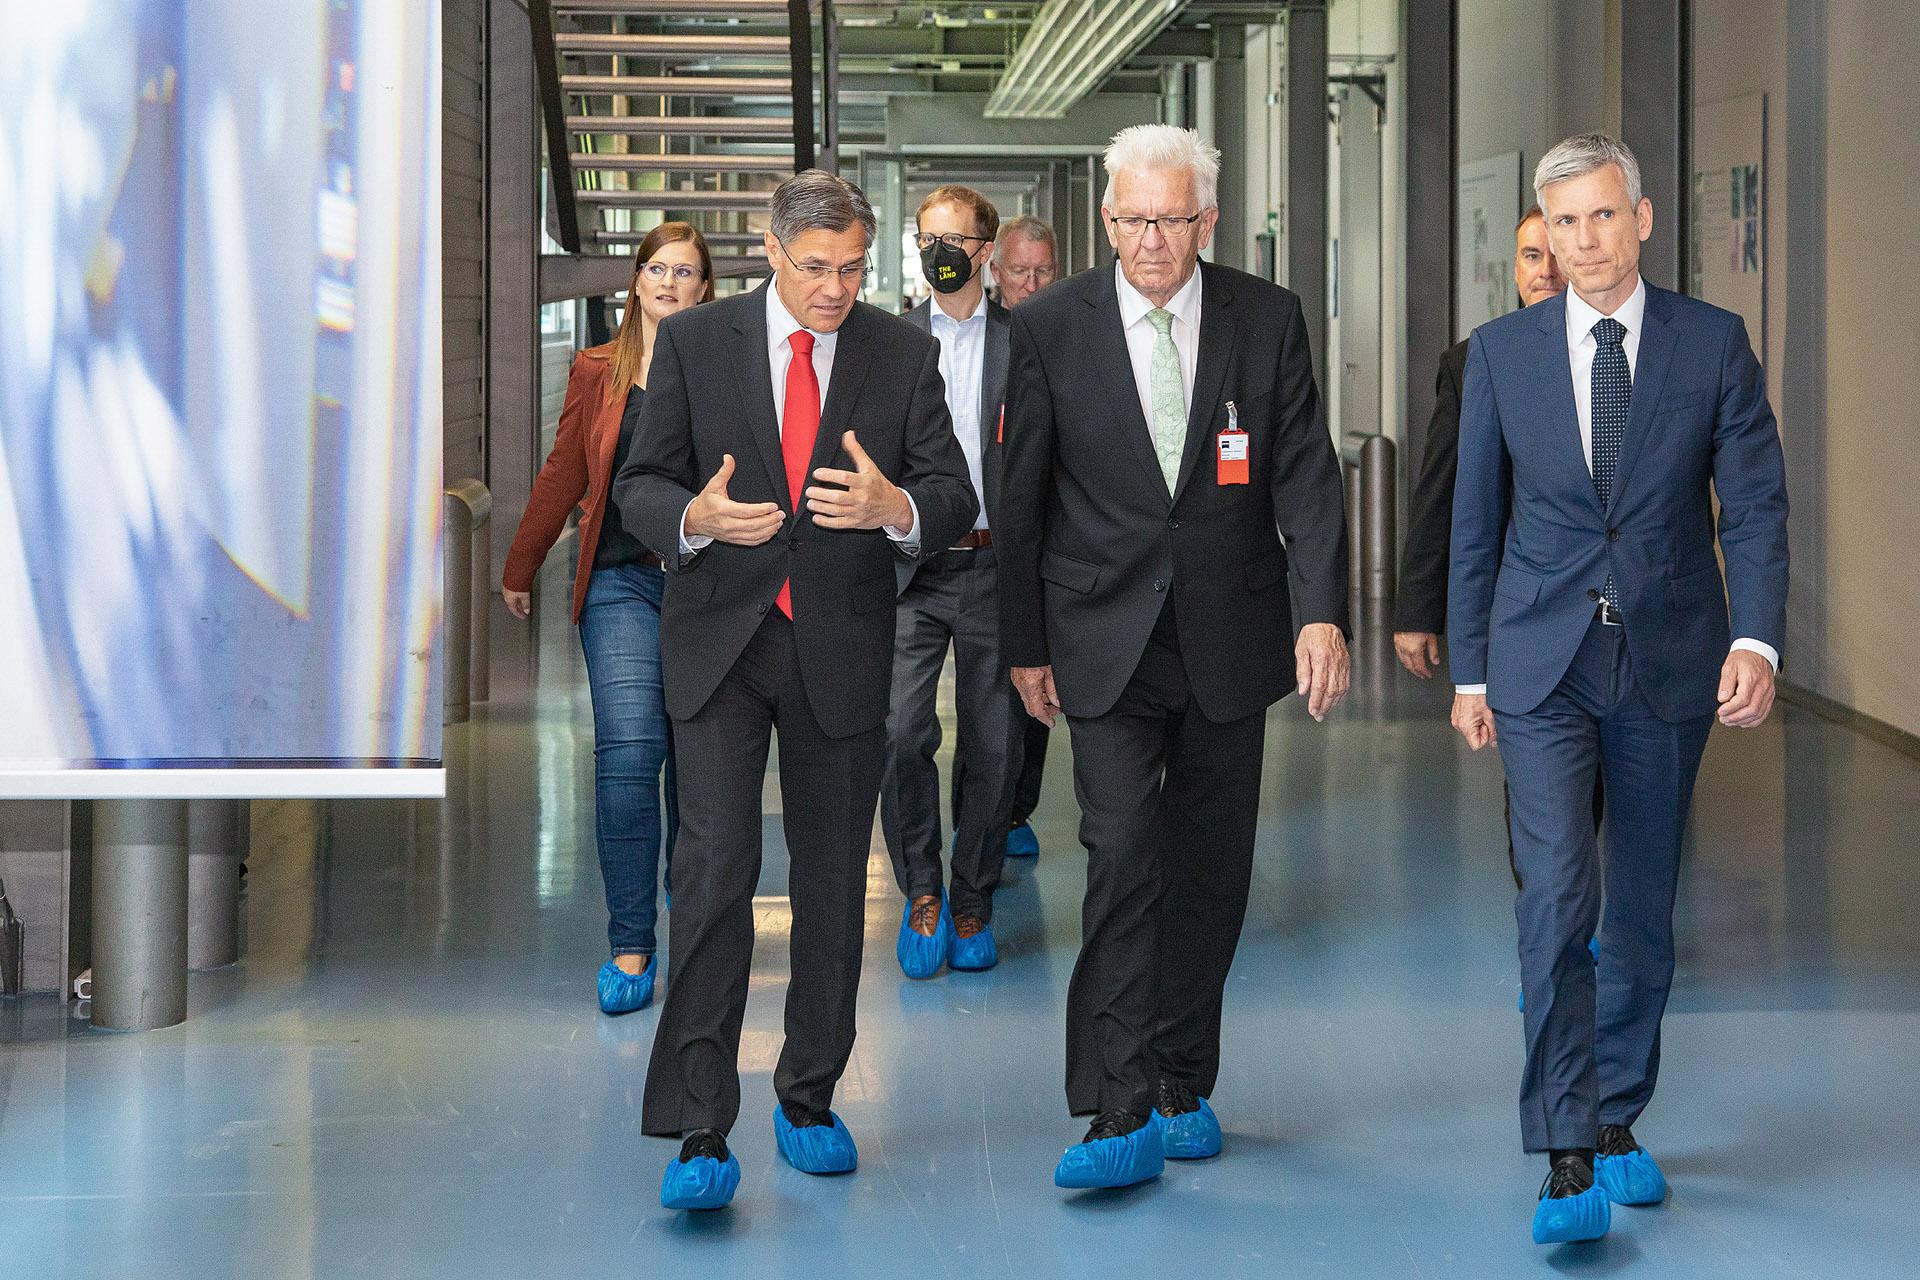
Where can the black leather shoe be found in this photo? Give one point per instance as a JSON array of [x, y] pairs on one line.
[[704, 1144], [1616, 1140], [801, 1118], [1174, 1099], [1113, 1124]]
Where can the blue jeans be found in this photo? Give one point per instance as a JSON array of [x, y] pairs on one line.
[[620, 633]]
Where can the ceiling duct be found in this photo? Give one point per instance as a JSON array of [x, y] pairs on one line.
[[1071, 48]]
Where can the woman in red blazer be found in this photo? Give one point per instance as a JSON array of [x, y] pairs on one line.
[[616, 600]]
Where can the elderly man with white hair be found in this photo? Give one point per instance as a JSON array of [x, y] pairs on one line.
[[1163, 432]]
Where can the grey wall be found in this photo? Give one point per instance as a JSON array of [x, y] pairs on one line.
[[1530, 73]]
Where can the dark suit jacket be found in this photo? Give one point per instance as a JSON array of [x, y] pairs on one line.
[[1089, 541], [993, 393], [709, 394], [1422, 602], [1532, 546]]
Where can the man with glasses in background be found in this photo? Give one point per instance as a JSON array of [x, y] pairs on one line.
[[950, 599], [794, 445], [1162, 432]]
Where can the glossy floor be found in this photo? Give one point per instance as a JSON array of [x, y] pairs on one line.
[[407, 1075]]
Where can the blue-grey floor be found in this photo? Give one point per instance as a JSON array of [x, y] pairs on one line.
[[407, 1075]]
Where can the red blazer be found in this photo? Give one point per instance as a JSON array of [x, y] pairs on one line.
[[576, 474]]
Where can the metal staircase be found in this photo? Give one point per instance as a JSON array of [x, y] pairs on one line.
[[689, 109]]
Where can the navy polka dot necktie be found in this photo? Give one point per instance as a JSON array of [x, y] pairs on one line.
[[1611, 403]]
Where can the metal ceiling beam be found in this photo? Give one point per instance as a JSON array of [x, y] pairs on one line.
[[1072, 46]]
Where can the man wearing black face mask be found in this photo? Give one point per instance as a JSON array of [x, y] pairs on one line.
[[952, 597]]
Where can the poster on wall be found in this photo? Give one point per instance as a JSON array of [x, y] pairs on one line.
[[220, 410], [1728, 249], [1487, 204]]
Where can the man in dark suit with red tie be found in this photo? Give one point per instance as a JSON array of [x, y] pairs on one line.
[[795, 443]]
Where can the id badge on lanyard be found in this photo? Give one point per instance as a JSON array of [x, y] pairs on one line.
[[1232, 450]]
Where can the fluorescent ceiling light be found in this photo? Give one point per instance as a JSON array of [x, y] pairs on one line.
[[1072, 46]]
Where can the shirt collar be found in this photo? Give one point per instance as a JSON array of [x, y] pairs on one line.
[[781, 325], [941, 317], [1582, 315], [1134, 305]]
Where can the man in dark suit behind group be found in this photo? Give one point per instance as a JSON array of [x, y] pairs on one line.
[[795, 442], [1163, 429], [949, 599], [1420, 608], [1590, 635]]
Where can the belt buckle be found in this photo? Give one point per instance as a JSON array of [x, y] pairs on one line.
[[1608, 615]]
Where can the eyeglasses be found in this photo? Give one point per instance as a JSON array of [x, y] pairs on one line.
[[853, 274], [953, 240], [658, 271], [1024, 274], [1171, 226]]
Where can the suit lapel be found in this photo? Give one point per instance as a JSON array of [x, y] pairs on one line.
[[750, 367], [1210, 370], [1562, 425], [1655, 357], [993, 380], [851, 354], [1110, 335]]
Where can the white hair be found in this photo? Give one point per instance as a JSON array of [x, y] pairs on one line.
[[1582, 154], [1160, 148]]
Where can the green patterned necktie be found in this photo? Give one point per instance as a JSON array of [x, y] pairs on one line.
[[1169, 397]]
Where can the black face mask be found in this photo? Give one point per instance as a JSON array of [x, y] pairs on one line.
[[947, 269]]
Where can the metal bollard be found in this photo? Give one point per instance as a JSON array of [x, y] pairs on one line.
[[1370, 516], [469, 591], [139, 914], [216, 844]]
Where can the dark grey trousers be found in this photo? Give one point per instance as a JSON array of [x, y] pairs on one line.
[[828, 787], [1168, 805], [952, 600]]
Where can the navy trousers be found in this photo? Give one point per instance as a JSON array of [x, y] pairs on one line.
[[1593, 1033]]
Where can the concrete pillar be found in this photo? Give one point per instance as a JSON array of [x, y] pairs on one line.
[[139, 914], [216, 844]]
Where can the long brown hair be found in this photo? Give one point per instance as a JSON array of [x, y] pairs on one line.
[[630, 343]]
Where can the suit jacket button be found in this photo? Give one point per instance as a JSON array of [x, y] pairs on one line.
[[1159, 584], [1593, 593], [762, 608], [1613, 535], [1172, 523]]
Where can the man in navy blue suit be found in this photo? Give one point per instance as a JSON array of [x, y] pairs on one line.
[[1591, 634]]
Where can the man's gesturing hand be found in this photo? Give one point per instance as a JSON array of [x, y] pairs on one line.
[[712, 514], [1035, 685], [868, 500], [1325, 670], [1474, 719]]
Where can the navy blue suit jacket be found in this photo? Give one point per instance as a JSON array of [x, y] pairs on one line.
[[1532, 546]]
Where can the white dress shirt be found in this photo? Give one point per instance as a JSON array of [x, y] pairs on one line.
[[1141, 335], [780, 327], [1582, 346], [963, 349]]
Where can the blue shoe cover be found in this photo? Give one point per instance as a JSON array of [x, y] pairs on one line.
[[1115, 1162], [1194, 1135], [1593, 949], [622, 992], [703, 1183], [1630, 1179], [1583, 1217], [1022, 843], [919, 955], [975, 953], [818, 1148]]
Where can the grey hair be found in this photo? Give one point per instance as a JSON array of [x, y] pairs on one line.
[[1158, 148], [1029, 228], [1582, 154], [816, 200]]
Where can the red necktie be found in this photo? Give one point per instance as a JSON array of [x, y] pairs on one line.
[[799, 427]]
